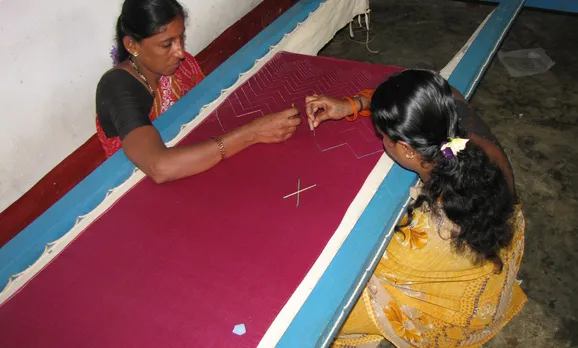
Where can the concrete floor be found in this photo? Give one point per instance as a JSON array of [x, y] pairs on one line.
[[535, 119]]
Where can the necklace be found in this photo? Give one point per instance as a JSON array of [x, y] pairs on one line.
[[142, 77]]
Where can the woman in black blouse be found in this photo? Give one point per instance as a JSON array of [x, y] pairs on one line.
[[152, 73]]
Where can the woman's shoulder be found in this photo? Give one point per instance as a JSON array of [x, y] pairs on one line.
[[489, 147], [471, 122], [118, 82], [496, 155], [116, 76]]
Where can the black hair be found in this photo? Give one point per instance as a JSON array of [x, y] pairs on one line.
[[418, 108], [141, 19]]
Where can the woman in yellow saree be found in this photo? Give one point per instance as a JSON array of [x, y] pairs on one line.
[[448, 276]]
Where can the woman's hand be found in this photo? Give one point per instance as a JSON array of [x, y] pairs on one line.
[[331, 109], [275, 127]]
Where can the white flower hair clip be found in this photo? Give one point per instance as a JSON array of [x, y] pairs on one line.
[[451, 148]]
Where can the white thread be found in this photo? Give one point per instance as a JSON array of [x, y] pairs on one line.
[[299, 191]]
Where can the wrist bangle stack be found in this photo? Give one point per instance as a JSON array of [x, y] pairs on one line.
[[358, 98], [355, 111]]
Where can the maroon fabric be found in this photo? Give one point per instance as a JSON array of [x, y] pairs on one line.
[[180, 264]]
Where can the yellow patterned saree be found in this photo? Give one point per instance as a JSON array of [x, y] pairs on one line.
[[424, 294]]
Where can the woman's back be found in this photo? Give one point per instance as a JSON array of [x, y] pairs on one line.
[[421, 256], [424, 293], [448, 276]]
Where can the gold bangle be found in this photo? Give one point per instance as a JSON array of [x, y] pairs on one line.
[[221, 147]]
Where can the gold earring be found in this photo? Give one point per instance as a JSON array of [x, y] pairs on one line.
[[135, 54]]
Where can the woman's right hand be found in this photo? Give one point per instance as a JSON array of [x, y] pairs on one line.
[[329, 109], [275, 127]]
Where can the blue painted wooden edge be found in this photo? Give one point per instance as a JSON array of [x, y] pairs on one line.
[[24, 249], [313, 324], [551, 5], [469, 71], [320, 313]]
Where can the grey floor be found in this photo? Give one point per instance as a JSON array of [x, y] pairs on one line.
[[535, 119]]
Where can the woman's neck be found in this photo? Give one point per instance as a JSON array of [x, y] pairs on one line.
[[424, 174], [150, 78]]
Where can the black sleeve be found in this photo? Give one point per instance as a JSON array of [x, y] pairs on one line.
[[122, 103]]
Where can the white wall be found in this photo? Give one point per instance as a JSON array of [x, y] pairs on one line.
[[52, 54]]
